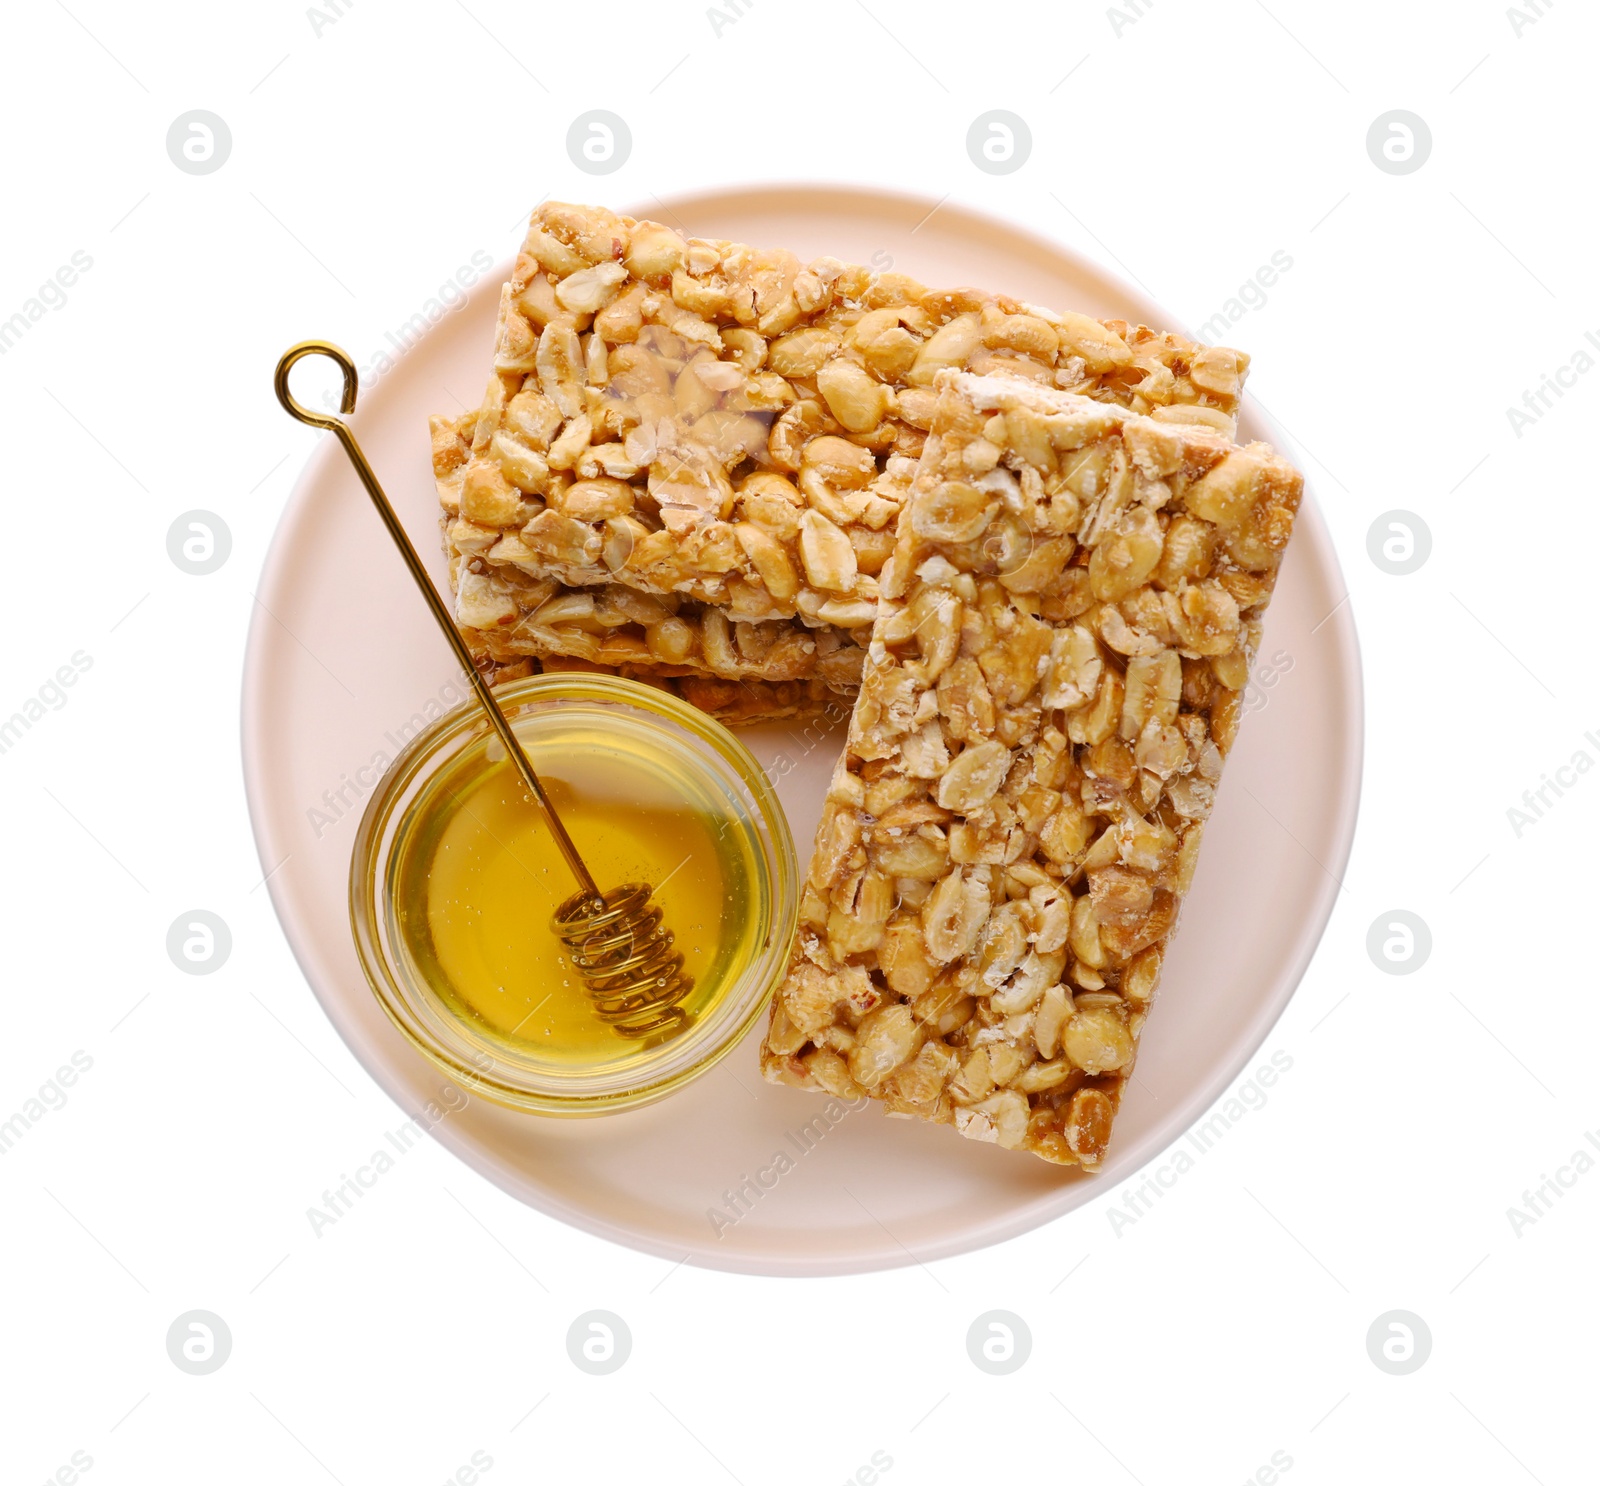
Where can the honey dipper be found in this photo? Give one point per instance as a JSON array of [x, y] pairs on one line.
[[616, 940]]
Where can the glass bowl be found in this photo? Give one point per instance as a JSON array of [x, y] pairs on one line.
[[653, 773]]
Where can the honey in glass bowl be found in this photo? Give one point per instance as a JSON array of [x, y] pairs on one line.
[[455, 878]]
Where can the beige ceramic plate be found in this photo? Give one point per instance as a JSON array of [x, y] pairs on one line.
[[343, 666]]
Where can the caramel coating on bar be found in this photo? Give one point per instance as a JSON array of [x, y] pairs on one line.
[[1063, 635], [734, 704]]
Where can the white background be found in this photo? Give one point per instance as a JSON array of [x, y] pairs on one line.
[[373, 152]]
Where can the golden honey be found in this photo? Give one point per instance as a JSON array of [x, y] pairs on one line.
[[456, 878], [481, 876]]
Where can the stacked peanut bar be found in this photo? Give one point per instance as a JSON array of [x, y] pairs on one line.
[[1062, 635], [692, 455]]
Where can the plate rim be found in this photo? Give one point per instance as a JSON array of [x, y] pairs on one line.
[[1027, 1217]]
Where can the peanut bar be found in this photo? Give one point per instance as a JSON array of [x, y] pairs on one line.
[[1064, 631], [733, 433]]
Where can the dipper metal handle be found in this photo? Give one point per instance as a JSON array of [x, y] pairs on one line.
[[616, 941], [441, 615]]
